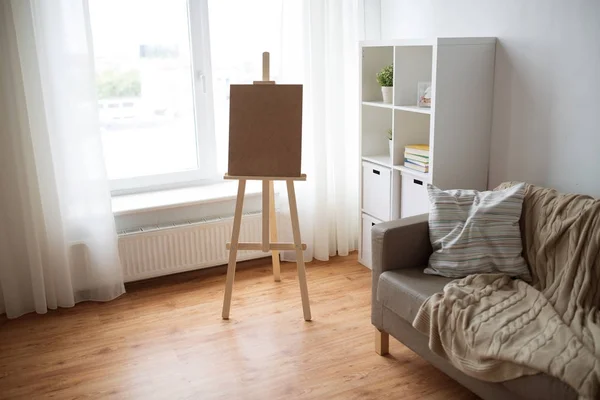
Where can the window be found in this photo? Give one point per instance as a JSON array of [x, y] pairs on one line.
[[237, 57], [156, 66], [154, 87]]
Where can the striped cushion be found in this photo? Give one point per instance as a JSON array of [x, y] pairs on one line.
[[476, 232]]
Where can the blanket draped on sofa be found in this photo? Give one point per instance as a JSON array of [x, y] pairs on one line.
[[495, 328]]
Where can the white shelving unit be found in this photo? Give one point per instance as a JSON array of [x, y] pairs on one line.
[[384, 160], [457, 127], [381, 104]]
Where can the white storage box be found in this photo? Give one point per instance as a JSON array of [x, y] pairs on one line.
[[414, 199], [367, 224], [376, 190]]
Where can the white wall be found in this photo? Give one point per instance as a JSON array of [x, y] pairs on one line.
[[546, 118]]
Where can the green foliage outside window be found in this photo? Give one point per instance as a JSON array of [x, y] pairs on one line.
[[111, 84]]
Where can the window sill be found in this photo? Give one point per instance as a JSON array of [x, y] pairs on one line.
[[174, 198]]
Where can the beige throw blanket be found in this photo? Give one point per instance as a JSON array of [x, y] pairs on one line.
[[495, 328]]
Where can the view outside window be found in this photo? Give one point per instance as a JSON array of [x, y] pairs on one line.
[[145, 89], [237, 42]]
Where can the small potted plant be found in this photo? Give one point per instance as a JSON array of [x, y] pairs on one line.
[[385, 78], [389, 135]]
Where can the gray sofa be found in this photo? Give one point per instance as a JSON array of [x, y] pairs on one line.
[[400, 252]]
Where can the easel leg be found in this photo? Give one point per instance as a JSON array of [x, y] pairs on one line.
[[273, 232], [235, 238], [265, 215], [299, 253]]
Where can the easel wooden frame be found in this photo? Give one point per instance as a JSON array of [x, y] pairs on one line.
[[269, 236], [269, 227]]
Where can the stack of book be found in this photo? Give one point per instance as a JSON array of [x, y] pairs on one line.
[[416, 156]]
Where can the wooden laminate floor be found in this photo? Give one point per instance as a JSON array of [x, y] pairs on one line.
[[165, 339]]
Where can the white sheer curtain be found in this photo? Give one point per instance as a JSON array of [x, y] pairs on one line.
[[324, 57], [58, 243]]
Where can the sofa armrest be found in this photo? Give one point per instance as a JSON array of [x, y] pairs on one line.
[[402, 243]]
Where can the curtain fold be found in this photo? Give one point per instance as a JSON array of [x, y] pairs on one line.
[[328, 201], [58, 243]]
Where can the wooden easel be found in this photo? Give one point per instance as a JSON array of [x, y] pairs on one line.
[[269, 226]]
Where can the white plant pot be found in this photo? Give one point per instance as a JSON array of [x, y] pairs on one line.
[[387, 93], [391, 151]]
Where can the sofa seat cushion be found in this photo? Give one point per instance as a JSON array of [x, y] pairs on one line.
[[404, 290]]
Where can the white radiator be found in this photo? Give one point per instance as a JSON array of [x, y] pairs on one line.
[[150, 252]]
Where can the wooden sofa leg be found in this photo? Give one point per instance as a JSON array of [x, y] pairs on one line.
[[382, 342]]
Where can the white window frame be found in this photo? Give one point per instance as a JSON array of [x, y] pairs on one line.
[[206, 173]]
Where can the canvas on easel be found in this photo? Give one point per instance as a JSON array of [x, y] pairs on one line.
[[265, 130], [265, 143]]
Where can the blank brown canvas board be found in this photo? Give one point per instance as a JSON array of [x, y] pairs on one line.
[[265, 130]]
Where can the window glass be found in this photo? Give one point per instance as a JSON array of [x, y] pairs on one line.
[[240, 31], [144, 82]]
